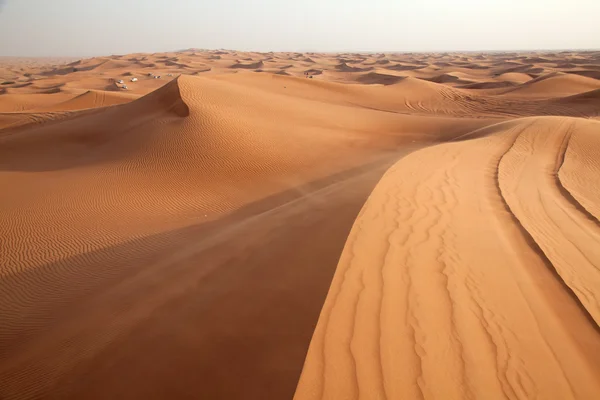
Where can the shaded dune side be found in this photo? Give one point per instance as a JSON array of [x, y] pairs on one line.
[[449, 286], [112, 273], [238, 332], [27, 149], [589, 73], [375, 78], [255, 65], [486, 85], [343, 67], [115, 230], [178, 159], [447, 78], [160, 149]]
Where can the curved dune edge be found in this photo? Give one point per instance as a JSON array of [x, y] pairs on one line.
[[474, 278]]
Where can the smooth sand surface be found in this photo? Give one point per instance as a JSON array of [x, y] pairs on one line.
[[200, 235]]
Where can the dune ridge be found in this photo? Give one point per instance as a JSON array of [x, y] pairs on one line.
[[413, 257]]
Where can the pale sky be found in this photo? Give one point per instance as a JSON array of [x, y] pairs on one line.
[[81, 28]]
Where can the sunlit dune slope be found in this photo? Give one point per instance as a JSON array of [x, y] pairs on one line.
[[471, 272]]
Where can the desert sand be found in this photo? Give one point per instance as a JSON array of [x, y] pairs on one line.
[[236, 225]]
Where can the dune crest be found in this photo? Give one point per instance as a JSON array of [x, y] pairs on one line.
[[451, 285]]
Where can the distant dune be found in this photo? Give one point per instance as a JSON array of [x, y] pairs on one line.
[[338, 226], [556, 84], [255, 65]]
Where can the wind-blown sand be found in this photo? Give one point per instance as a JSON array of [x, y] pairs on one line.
[[200, 235]]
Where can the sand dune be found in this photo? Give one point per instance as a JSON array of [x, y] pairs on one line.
[[555, 85], [168, 166], [589, 73], [380, 79], [255, 65], [92, 99], [447, 78], [424, 277], [200, 233], [21, 102], [344, 67], [514, 77]]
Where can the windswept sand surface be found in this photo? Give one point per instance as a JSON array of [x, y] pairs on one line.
[[315, 226]]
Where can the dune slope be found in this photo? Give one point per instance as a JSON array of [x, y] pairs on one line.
[[157, 222], [175, 225], [476, 277]]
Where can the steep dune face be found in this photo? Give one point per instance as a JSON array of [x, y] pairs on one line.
[[474, 278]]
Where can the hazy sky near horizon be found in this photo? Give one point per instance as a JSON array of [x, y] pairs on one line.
[[93, 27]]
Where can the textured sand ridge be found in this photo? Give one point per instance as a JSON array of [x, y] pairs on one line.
[[319, 226], [474, 279]]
